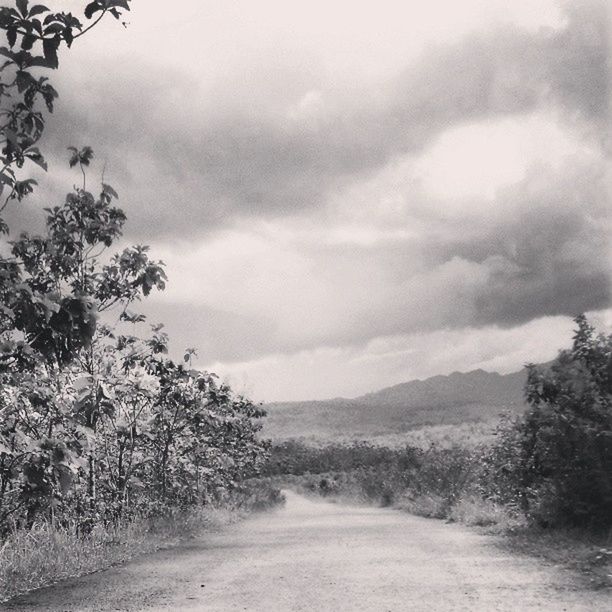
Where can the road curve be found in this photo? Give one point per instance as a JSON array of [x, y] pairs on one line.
[[318, 556]]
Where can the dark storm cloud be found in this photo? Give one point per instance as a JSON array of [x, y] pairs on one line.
[[559, 266], [189, 172], [546, 254], [559, 260], [185, 165]]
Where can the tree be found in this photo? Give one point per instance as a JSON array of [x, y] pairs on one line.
[[34, 36], [46, 319], [557, 459], [55, 287], [95, 422]]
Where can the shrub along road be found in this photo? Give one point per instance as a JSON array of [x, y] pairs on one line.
[[314, 555]]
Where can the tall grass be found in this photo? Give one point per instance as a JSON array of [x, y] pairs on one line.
[[46, 553]]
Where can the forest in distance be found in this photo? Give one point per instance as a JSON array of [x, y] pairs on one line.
[[111, 448]]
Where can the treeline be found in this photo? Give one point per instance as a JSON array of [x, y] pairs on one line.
[[369, 472], [551, 467], [298, 458], [97, 424]]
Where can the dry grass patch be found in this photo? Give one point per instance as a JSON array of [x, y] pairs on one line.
[[428, 505], [474, 511], [587, 553], [46, 554]]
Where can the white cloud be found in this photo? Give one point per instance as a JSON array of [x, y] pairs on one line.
[[337, 181], [474, 161], [332, 372]]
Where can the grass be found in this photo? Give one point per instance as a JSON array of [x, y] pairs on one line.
[[428, 505], [474, 511], [45, 554], [587, 553], [466, 435]]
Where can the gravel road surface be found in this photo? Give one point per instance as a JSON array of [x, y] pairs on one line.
[[318, 556]]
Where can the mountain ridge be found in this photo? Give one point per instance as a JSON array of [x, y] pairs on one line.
[[456, 398]]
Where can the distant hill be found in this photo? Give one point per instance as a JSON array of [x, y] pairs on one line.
[[471, 397]]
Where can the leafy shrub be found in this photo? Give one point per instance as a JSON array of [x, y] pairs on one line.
[[252, 495], [97, 425], [555, 463], [375, 474], [443, 473], [428, 505], [474, 510]]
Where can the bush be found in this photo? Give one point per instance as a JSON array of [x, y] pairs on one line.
[[555, 463], [366, 473], [474, 510], [428, 505], [444, 474]]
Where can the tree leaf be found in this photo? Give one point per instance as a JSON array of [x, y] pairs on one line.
[[110, 191], [37, 9], [23, 80], [83, 382], [68, 37], [50, 46], [124, 4], [27, 42], [36, 156], [22, 5], [11, 36], [91, 9]]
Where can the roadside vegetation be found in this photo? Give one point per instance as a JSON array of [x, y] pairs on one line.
[[108, 447], [545, 480]]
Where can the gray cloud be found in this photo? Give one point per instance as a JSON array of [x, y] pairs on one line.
[[185, 168], [188, 171], [559, 260], [548, 255], [214, 333]]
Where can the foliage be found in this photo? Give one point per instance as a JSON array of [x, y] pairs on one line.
[[96, 424], [556, 461], [374, 473], [34, 36]]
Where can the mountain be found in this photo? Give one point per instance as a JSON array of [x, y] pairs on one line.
[[470, 397]]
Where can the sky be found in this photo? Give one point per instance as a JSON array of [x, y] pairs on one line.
[[349, 195]]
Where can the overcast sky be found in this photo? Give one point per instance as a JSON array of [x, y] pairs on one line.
[[353, 194]]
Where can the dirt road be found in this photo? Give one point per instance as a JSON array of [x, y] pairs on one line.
[[319, 556]]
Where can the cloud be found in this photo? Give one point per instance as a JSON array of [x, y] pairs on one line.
[[541, 247], [341, 204], [282, 137], [350, 371]]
